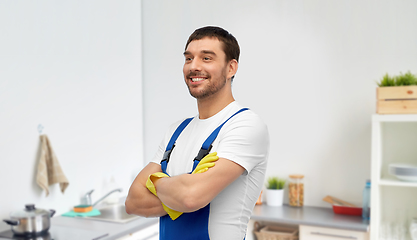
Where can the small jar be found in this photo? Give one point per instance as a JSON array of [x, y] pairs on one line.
[[296, 190]]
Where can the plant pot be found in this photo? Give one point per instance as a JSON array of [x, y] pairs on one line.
[[397, 100], [274, 197]]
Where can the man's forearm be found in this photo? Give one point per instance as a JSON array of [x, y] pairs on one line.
[[190, 192], [179, 193]]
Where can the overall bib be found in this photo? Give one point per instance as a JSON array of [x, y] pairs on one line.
[[194, 225]]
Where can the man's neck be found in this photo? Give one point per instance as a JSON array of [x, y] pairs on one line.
[[212, 105]]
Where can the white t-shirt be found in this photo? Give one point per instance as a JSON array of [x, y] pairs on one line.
[[244, 140]]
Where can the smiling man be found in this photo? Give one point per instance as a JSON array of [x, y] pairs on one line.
[[209, 170]]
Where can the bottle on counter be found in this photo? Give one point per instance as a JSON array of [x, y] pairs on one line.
[[296, 190], [366, 201]]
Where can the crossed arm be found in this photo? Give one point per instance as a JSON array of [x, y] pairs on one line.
[[140, 201], [184, 193]]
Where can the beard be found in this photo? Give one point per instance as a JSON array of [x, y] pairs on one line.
[[212, 86]]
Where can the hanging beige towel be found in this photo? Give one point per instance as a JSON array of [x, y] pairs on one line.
[[49, 170]]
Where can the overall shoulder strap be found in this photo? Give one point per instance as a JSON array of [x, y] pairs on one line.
[[171, 143], [207, 145]]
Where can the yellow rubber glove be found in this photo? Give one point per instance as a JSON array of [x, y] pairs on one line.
[[151, 187], [206, 163]]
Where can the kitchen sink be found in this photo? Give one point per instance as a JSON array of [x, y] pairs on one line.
[[113, 213]]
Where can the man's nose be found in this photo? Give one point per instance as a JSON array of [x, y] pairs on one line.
[[195, 65]]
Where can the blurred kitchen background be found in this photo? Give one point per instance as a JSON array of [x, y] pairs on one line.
[[104, 78]]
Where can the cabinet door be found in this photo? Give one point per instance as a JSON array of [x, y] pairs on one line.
[[320, 233]]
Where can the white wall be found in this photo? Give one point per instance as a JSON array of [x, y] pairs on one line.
[[75, 68], [308, 68]]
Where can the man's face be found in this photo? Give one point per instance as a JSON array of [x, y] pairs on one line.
[[205, 68]]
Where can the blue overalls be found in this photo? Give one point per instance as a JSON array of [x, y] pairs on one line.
[[194, 225]]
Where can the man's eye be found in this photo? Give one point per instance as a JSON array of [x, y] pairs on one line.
[[206, 58], [188, 59]]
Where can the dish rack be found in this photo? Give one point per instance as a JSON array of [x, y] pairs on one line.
[[275, 232]]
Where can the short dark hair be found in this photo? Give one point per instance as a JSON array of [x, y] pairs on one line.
[[230, 44]]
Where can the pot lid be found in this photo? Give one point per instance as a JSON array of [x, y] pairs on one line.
[[29, 211]]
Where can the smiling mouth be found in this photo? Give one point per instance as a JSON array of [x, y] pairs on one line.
[[197, 79]]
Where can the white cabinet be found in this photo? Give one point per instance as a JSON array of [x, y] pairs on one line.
[[321, 233], [393, 202], [148, 233]]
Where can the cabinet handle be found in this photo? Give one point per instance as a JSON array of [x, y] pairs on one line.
[[333, 235]]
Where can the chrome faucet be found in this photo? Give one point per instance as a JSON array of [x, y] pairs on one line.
[[87, 197], [86, 200]]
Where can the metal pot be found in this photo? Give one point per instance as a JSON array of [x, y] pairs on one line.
[[31, 221]]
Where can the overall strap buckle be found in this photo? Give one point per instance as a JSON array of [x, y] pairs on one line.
[[171, 143], [201, 154]]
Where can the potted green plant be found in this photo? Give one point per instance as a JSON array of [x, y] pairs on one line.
[[275, 191], [397, 94]]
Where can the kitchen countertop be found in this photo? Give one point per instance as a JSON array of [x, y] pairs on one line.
[[115, 230], [307, 215], [312, 216], [104, 230]]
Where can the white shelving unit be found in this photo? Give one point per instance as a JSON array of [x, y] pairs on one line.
[[394, 140]]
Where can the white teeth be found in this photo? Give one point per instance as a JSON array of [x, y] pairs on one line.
[[197, 79]]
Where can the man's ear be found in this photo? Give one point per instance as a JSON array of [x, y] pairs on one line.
[[233, 66]]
